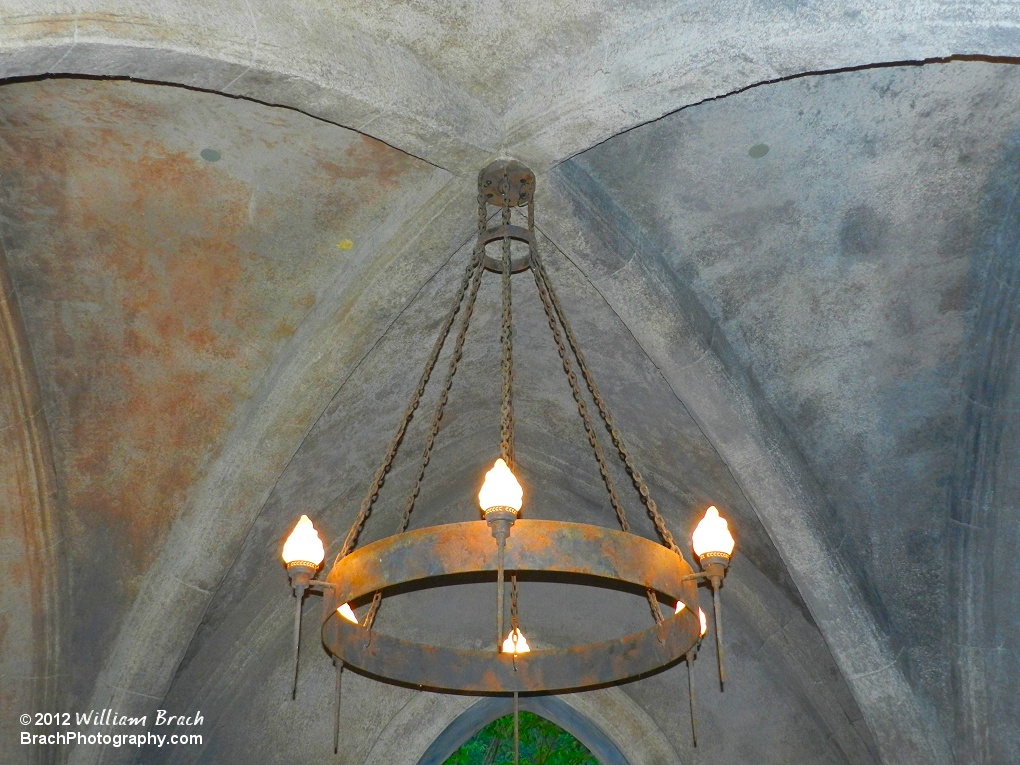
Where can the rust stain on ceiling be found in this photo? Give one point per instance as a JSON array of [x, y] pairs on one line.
[[157, 292]]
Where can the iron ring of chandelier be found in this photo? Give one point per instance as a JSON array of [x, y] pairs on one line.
[[539, 546]]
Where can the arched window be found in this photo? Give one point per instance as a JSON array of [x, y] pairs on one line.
[[543, 742], [547, 723]]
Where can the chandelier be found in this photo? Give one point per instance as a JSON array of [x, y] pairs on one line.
[[505, 542]]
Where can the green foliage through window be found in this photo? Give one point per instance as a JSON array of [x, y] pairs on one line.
[[542, 743]]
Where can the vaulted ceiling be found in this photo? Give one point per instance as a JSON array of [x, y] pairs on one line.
[[787, 235]]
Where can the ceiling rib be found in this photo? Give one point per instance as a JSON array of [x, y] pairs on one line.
[[32, 599]]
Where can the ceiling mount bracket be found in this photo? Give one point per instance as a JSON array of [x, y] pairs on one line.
[[506, 182]]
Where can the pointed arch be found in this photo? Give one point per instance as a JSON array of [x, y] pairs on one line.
[[552, 708], [615, 729]]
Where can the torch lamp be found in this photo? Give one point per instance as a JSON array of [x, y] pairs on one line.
[[713, 544], [303, 553], [500, 498]]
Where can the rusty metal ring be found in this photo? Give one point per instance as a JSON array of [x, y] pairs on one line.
[[506, 231], [547, 546]]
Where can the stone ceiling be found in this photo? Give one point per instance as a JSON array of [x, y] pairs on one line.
[[787, 238]]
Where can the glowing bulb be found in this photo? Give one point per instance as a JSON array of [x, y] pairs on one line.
[[712, 536], [304, 544], [521, 644], [347, 613], [500, 489]]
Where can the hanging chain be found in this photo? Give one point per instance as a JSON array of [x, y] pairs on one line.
[[380, 475], [639, 483], [514, 624], [544, 292], [444, 395], [475, 269], [506, 423], [470, 284], [373, 610], [437, 418], [582, 408]]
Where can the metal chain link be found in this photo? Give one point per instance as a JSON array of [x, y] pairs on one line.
[[582, 408], [632, 471], [475, 269], [373, 610], [380, 475], [589, 427], [653, 603], [506, 424], [514, 624], [444, 394]]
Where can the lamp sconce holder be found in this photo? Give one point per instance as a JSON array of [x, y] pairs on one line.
[[714, 566], [500, 519], [301, 573]]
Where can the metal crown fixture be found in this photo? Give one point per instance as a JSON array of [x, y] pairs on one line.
[[509, 667]]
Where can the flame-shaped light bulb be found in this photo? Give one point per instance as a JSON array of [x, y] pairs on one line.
[[347, 613], [515, 643], [500, 489], [712, 537], [303, 545]]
